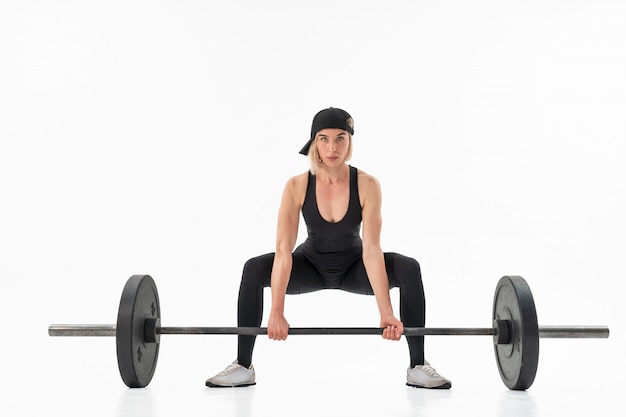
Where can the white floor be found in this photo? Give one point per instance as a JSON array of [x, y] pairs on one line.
[[317, 399]]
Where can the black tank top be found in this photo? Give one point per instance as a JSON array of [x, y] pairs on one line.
[[332, 248]]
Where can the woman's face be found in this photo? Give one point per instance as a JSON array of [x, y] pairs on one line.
[[332, 146]]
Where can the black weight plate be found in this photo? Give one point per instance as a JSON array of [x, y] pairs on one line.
[[518, 360], [137, 359]]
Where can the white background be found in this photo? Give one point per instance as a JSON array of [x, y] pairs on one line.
[[155, 137]]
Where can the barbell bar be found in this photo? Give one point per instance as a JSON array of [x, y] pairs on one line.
[[515, 331], [548, 332]]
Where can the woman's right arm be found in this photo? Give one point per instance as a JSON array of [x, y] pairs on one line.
[[286, 235]]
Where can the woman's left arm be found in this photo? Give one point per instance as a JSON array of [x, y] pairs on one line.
[[373, 258]]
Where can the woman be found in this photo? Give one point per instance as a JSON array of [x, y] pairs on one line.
[[335, 199]]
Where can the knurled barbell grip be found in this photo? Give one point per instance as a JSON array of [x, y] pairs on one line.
[[408, 331]]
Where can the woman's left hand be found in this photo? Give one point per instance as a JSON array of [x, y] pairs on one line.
[[393, 328]]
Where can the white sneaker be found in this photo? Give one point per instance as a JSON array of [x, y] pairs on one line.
[[234, 375], [425, 376]]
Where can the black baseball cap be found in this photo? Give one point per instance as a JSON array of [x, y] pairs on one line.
[[330, 118]]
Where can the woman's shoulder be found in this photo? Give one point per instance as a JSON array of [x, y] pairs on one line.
[[369, 189], [298, 181], [367, 181], [296, 186]]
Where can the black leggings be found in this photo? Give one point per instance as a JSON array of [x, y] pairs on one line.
[[403, 272]]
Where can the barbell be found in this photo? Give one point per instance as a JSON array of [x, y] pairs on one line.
[[515, 331]]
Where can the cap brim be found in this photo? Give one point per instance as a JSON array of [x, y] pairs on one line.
[[305, 148]]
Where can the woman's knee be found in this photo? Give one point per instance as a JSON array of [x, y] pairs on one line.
[[258, 270], [405, 270], [414, 267], [412, 271]]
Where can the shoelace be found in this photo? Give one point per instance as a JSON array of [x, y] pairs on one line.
[[430, 370], [230, 368]]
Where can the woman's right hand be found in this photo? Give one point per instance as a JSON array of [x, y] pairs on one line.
[[277, 326]]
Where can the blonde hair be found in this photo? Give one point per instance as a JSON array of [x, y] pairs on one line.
[[314, 156]]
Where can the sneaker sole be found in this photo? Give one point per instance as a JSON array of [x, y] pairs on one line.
[[212, 385], [447, 385]]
